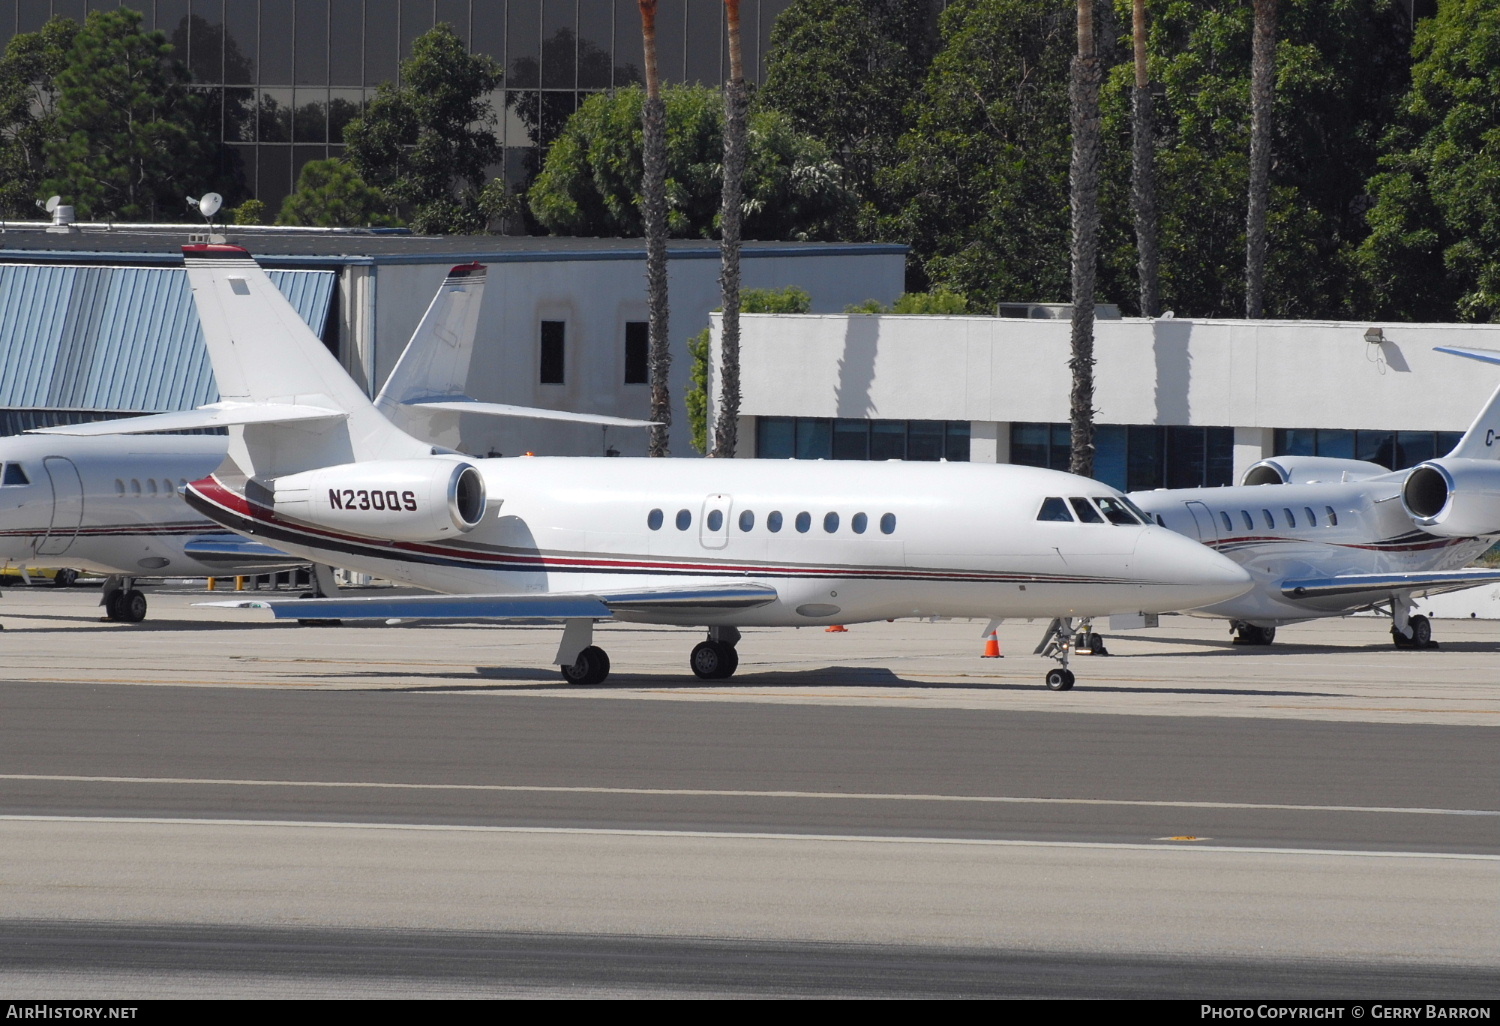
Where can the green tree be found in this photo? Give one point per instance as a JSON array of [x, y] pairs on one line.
[[1433, 251], [330, 194], [131, 138], [940, 301], [427, 144], [983, 176], [785, 300], [846, 72], [28, 101], [590, 184], [1341, 68]]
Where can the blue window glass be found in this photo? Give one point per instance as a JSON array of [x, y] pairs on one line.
[[715, 520], [1053, 508], [684, 520], [773, 521], [654, 519], [804, 522], [830, 522], [858, 523], [775, 438], [747, 520], [888, 523]]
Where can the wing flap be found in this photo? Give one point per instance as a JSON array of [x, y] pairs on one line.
[[1430, 582], [215, 415], [554, 606]]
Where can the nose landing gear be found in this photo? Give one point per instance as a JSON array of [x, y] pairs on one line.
[[1059, 643]]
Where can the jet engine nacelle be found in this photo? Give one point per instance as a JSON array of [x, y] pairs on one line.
[[404, 500], [1454, 498], [1308, 469]]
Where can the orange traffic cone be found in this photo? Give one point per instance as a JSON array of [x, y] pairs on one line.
[[992, 645], [837, 628]]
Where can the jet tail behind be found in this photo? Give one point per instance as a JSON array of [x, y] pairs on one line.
[[1482, 440], [264, 354]]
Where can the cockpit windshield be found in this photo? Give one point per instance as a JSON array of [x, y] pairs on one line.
[[1116, 511], [14, 474]]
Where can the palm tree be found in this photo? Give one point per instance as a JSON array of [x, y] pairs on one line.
[[1142, 173], [1262, 83], [736, 106], [1083, 90], [654, 214]]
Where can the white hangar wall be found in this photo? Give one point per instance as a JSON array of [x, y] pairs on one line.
[[1253, 376], [594, 296]]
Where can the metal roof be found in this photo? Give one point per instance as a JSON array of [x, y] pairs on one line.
[[117, 338]]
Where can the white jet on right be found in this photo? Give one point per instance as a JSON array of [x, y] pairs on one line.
[[1337, 536]]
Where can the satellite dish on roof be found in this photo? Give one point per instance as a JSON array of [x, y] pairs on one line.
[[210, 203], [52, 203]]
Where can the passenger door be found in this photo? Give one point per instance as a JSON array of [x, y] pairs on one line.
[[1203, 522], [67, 506]]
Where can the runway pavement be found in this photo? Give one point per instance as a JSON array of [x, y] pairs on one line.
[[370, 811]]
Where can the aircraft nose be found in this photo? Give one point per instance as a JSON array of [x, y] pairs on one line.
[[1196, 574]]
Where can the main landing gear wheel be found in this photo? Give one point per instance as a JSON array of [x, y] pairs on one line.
[[126, 606], [714, 660], [1249, 634], [1060, 679], [1421, 634], [591, 667]]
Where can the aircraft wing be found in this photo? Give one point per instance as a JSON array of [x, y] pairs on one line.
[[214, 415], [233, 552], [466, 405], [548, 606], [1430, 582]]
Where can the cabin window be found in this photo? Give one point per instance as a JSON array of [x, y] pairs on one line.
[[1291, 520], [773, 521], [1312, 518], [1116, 513], [804, 523], [119, 487], [14, 475], [1224, 519], [135, 487], [1085, 510], [747, 520], [830, 522], [888, 523], [1333, 518], [684, 520], [715, 519], [1249, 520], [1270, 520], [654, 519], [858, 523], [151, 485], [1053, 508]]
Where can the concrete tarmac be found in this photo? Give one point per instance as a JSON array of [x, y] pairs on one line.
[[394, 812]]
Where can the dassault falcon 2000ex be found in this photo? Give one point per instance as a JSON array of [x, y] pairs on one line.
[[111, 504], [314, 469], [1336, 536]]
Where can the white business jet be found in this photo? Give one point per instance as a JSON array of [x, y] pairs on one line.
[[1330, 537], [315, 469], [112, 505]]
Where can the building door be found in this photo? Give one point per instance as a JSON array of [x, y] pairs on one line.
[[715, 530], [67, 506], [1203, 521]]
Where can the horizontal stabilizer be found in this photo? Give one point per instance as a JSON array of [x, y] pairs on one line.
[[1487, 355], [212, 416], [232, 552], [1429, 582], [465, 405], [557, 606]]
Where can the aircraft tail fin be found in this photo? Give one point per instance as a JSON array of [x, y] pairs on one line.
[[1482, 440], [435, 362], [263, 353]]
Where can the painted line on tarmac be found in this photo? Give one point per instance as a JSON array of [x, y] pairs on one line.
[[731, 835], [675, 792]]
